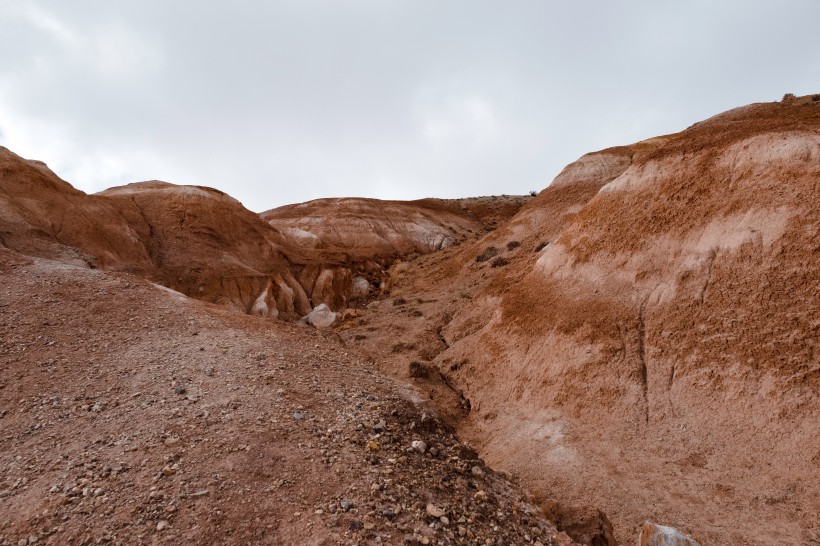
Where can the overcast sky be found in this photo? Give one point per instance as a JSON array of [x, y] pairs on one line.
[[281, 101]]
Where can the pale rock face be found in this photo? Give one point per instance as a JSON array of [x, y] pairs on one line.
[[321, 317], [260, 306], [593, 167], [361, 287], [301, 237], [659, 535], [265, 304]]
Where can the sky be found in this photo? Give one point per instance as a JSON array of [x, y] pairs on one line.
[[283, 101]]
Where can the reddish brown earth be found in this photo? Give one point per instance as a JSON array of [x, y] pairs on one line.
[[640, 338], [659, 358], [205, 244], [132, 414], [357, 229]]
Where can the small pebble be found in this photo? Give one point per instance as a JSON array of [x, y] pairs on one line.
[[434, 511]]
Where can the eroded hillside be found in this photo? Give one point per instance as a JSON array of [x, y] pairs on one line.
[[205, 244], [643, 336]]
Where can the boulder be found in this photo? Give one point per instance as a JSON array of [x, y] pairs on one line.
[[361, 287], [321, 317], [658, 535]]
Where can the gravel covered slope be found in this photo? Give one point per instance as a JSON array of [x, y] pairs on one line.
[[131, 414]]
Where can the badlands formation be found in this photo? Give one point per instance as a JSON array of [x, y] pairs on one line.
[[638, 342]]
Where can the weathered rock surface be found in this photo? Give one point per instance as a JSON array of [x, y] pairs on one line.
[[659, 535], [204, 243], [321, 317], [41, 215], [359, 230]]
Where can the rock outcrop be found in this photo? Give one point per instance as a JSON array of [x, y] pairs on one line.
[[204, 243], [42, 215], [321, 317], [659, 535]]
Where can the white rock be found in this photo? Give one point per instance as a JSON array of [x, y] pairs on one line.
[[419, 446], [321, 317], [361, 287], [658, 535]]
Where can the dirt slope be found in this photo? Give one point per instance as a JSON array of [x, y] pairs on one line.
[[659, 357], [132, 414]]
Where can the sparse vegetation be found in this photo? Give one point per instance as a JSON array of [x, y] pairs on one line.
[[417, 369], [489, 252], [533, 193], [455, 366], [500, 262], [512, 245], [401, 347]]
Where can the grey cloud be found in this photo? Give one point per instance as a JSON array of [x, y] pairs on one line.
[[283, 101]]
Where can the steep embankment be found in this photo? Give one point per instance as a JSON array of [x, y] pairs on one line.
[[672, 325], [659, 357]]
